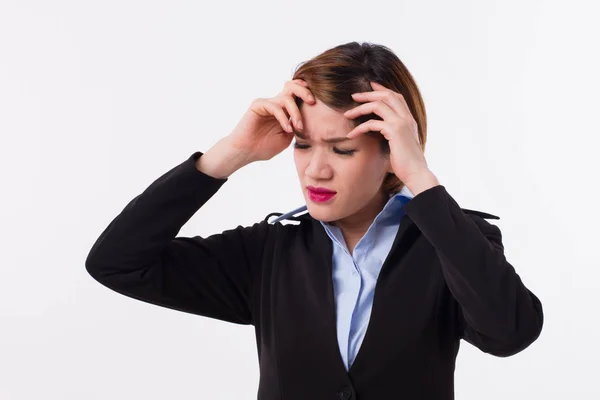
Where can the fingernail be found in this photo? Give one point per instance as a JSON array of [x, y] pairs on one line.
[[300, 124]]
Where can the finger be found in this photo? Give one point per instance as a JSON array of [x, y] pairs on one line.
[[398, 96], [293, 111], [300, 82], [403, 100], [376, 107], [277, 111], [304, 93], [298, 90], [370, 125], [377, 86], [393, 100], [289, 102]]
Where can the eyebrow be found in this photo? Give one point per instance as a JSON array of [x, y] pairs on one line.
[[331, 140]]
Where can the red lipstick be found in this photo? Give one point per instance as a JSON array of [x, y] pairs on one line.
[[320, 194]]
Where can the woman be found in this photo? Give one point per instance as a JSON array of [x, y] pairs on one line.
[[383, 244]]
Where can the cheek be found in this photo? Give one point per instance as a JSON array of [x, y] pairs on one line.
[[301, 162], [347, 171], [365, 172], [360, 166], [297, 160]]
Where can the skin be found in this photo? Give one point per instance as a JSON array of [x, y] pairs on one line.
[[265, 130], [319, 163]]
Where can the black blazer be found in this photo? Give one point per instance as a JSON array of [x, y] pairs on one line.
[[446, 278]]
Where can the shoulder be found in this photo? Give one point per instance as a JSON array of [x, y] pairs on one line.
[[276, 225], [479, 214], [289, 225], [490, 230]]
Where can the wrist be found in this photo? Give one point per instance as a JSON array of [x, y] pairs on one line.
[[422, 181], [222, 160]]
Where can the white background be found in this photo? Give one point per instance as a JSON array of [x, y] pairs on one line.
[[98, 99]]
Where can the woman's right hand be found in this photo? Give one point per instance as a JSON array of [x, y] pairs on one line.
[[263, 131]]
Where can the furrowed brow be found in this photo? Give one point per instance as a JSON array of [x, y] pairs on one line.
[[330, 140]]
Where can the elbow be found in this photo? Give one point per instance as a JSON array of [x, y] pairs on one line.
[[503, 342], [94, 261], [97, 266], [517, 343], [525, 334], [94, 268], [107, 275], [118, 274]]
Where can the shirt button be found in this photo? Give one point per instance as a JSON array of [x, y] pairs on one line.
[[344, 394]]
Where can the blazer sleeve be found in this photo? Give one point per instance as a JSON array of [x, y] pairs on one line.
[[138, 254], [496, 312]]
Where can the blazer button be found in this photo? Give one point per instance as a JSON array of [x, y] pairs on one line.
[[344, 394]]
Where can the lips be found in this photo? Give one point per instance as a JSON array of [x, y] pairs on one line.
[[320, 194], [320, 190]]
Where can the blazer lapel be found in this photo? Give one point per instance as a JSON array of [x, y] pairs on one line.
[[322, 255]]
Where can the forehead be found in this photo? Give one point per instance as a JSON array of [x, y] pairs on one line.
[[321, 122]]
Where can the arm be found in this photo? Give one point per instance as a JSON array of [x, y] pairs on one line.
[[139, 255], [497, 313]]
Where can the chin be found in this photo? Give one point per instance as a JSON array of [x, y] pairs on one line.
[[323, 214]]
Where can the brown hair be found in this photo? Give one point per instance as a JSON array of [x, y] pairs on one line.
[[335, 74]]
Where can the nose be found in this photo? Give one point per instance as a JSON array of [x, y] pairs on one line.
[[318, 166]]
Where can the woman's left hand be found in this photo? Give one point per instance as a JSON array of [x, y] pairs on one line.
[[400, 129]]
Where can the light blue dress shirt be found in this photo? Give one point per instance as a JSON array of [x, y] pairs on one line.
[[354, 276]]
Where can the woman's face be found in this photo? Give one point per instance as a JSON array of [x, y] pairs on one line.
[[353, 168]]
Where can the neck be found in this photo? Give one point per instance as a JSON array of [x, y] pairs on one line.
[[354, 227]]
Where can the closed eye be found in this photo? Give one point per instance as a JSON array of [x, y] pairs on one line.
[[335, 149]]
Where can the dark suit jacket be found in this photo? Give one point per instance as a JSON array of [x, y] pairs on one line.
[[446, 278]]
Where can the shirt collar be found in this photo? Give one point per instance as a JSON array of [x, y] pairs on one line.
[[392, 207], [395, 202]]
